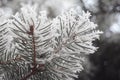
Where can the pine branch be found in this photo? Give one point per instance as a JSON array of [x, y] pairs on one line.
[[34, 70], [45, 49], [33, 43]]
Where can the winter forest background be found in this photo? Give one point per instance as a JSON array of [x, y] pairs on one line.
[[104, 64]]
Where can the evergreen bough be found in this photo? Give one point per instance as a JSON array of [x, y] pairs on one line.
[[33, 47]]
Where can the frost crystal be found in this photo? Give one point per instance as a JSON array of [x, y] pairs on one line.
[[48, 49]]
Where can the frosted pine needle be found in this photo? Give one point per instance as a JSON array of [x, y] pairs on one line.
[[46, 49]]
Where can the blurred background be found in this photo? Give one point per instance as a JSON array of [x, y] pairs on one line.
[[104, 64]]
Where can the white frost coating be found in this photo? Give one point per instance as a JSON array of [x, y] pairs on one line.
[[5, 34], [58, 43], [76, 33]]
